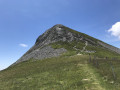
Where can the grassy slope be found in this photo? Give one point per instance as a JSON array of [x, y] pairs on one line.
[[100, 51], [62, 73], [110, 70], [103, 52]]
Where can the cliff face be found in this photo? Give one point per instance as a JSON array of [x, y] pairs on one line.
[[42, 48]]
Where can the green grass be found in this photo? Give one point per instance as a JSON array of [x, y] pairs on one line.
[[102, 52], [67, 72], [68, 45], [61, 73], [109, 69]]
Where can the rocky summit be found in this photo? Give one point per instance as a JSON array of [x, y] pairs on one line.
[[60, 33]]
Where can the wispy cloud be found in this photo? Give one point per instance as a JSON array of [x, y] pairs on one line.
[[23, 45], [115, 30]]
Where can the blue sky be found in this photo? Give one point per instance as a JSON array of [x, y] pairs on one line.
[[22, 21]]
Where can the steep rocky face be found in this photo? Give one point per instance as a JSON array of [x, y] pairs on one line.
[[42, 48], [57, 33], [42, 53], [64, 34]]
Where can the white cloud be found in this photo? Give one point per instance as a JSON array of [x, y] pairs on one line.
[[115, 30], [23, 45]]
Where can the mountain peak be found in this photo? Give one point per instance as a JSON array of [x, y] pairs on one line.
[[57, 33], [58, 25]]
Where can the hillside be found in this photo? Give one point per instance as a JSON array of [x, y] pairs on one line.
[[62, 73], [64, 59]]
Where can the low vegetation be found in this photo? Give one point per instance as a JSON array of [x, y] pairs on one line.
[[61, 73], [108, 68], [72, 72], [68, 45], [76, 47], [102, 52]]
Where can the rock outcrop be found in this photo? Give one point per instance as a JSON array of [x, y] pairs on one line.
[[45, 52]]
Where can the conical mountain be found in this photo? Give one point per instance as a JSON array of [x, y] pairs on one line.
[[60, 39], [64, 59]]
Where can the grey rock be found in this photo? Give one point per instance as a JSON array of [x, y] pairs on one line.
[[45, 52]]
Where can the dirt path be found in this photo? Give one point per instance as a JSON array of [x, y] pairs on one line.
[[86, 43], [90, 80]]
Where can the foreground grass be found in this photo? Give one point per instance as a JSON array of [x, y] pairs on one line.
[[110, 70], [62, 73]]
